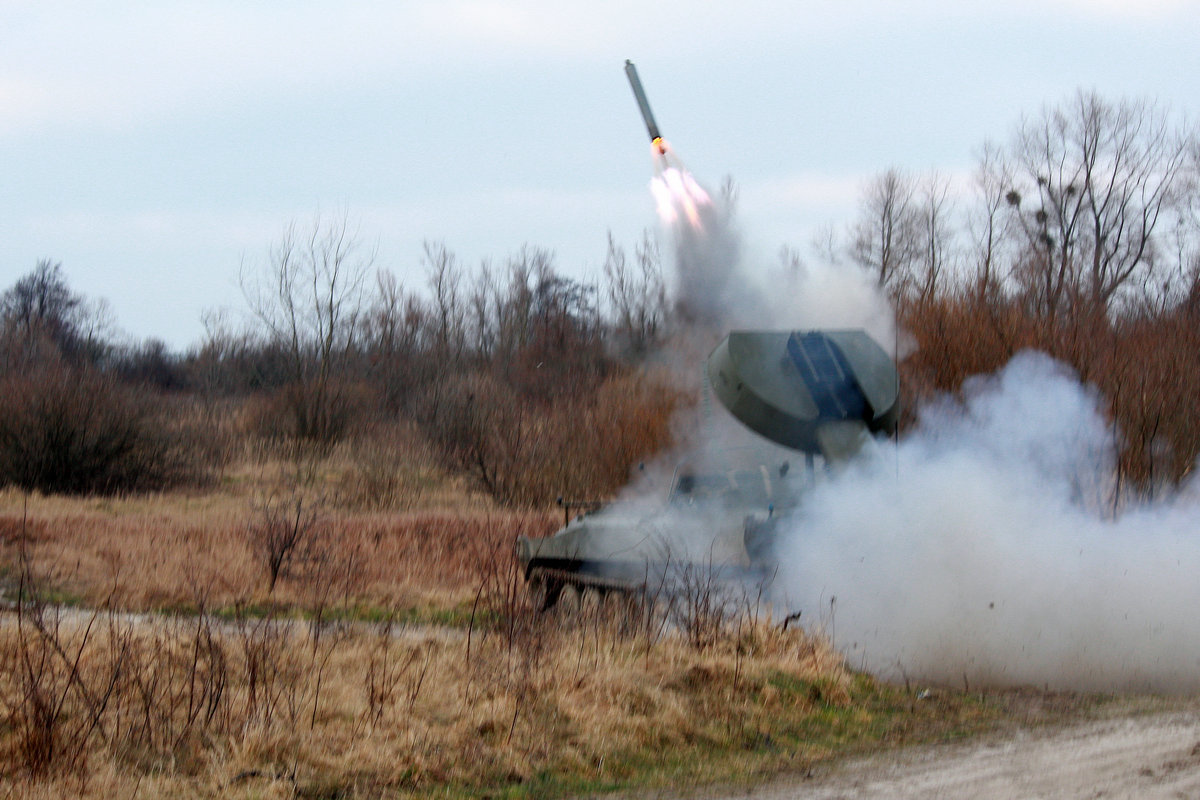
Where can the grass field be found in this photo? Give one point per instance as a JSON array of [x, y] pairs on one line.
[[397, 655]]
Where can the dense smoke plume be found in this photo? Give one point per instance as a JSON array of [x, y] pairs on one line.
[[984, 549], [987, 547], [706, 285]]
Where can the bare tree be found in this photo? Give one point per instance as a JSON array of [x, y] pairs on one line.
[[1187, 237], [394, 328], [40, 311], [988, 224], [1094, 184], [483, 299], [308, 298], [288, 527], [885, 239], [637, 295], [549, 335], [515, 305], [42, 300], [935, 237], [449, 314], [825, 245]]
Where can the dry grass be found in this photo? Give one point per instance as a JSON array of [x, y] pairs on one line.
[[318, 689], [167, 552], [253, 708]]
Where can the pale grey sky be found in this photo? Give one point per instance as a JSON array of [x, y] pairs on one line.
[[152, 146]]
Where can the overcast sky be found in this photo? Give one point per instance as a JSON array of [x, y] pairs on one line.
[[152, 147]]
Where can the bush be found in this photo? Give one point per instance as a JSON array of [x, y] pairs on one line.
[[72, 429], [525, 453], [290, 414], [1132, 359], [390, 466]]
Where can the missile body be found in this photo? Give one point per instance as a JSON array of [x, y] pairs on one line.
[[639, 94]]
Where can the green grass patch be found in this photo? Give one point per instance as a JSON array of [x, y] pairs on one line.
[[46, 594]]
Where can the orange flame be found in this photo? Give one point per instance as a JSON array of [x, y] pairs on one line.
[[677, 194]]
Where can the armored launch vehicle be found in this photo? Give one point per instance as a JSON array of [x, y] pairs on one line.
[[813, 399]]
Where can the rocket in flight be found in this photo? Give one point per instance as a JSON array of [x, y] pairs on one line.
[[639, 94]]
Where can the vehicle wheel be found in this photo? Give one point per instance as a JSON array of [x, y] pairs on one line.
[[546, 591], [592, 598], [570, 598]]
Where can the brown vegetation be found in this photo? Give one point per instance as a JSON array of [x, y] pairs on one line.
[[177, 553], [322, 686], [361, 459], [197, 706], [1081, 239], [1137, 363]]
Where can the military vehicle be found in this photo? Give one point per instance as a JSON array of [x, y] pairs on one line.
[[815, 398]]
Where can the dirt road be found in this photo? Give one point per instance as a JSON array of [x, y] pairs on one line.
[[1141, 757]]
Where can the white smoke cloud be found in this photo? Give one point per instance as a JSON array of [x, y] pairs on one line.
[[708, 283], [983, 548]]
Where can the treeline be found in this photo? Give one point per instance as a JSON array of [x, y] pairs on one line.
[[1079, 237], [529, 382], [70, 420]]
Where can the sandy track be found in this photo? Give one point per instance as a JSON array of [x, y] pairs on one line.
[[1141, 757]]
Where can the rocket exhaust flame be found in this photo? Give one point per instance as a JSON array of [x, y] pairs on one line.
[[679, 196]]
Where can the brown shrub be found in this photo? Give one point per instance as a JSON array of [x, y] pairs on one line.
[[582, 445], [1135, 361], [389, 466], [72, 429], [290, 413]]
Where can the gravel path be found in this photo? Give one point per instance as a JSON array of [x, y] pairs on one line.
[[1141, 757]]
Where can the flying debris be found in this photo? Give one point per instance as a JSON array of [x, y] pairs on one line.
[[639, 94]]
